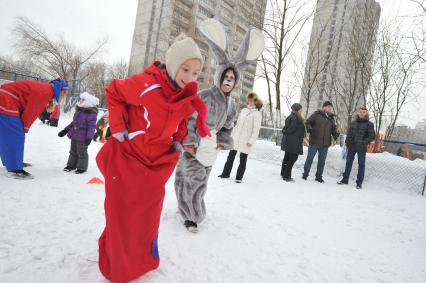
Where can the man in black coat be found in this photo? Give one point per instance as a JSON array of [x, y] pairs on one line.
[[292, 142], [360, 134], [322, 127]]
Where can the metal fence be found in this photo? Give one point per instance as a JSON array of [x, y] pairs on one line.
[[405, 169], [73, 94]]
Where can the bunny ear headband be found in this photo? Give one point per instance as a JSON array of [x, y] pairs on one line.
[[250, 48]]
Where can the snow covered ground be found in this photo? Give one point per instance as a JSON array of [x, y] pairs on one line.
[[263, 230]]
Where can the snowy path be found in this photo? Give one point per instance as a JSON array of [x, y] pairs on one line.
[[262, 230]]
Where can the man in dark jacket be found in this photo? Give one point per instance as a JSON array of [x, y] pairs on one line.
[[321, 126], [360, 134]]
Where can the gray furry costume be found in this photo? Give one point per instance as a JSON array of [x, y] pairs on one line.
[[192, 172]]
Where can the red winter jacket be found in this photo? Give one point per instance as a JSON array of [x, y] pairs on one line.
[[25, 99], [56, 113], [148, 104]]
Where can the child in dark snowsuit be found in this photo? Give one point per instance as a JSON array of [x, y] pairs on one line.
[[81, 131]]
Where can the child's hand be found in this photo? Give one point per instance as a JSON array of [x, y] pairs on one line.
[[62, 133], [190, 148]]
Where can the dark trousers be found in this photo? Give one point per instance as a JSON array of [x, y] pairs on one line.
[[322, 155], [78, 155], [288, 162], [230, 162], [53, 122], [361, 165]]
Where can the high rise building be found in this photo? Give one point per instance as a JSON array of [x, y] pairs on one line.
[[340, 56], [159, 22]]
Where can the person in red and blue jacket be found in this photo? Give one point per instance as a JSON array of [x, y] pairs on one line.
[[21, 102], [148, 120]]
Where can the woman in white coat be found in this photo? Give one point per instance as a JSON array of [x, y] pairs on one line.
[[244, 135]]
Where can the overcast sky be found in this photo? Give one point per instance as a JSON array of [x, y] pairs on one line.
[[85, 21]]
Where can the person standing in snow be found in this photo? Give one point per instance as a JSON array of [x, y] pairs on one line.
[[148, 120], [101, 125], [54, 117], [21, 102], [195, 165], [360, 135], [81, 131], [292, 142], [244, 134], [321, 127]]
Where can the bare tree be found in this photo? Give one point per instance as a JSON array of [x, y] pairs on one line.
[[12, 69], [99, 75], [284, 22], [421, 4], [55, 57], [404, 84], [118, 70], [396, 77], [384, 74]]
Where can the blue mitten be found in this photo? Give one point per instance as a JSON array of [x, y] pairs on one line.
[[178, 146]]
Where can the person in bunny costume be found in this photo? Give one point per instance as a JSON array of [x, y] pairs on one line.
[[194, 166]]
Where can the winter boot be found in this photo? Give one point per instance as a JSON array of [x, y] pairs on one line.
[[238, 181], [69, 169], [343, 182], [359, 186], [304, 177], [223, 176], [21, 175], [79, 171], [191, 226], [288, 179], [319, 180]]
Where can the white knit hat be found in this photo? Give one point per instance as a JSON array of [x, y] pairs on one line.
[[89, 100], [184, 48]]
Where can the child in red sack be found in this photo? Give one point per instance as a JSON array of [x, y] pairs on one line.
[[148, 120]]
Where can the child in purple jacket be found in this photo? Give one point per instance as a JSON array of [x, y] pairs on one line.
[[81, 131]]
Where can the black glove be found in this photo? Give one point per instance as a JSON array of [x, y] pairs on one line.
[[88, 141], [62, 133]]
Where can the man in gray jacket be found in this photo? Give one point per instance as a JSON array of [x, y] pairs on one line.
[[321, 127]]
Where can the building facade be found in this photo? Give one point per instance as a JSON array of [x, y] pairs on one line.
[[340, 56], [159, 22]]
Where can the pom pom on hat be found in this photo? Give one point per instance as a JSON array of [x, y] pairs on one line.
[[184, 48]]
